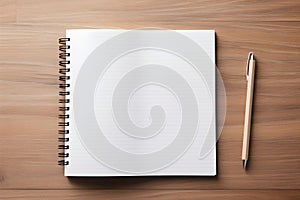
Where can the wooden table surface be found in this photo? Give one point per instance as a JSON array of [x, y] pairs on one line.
[[29, 96]]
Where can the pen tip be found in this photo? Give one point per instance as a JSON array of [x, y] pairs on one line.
[[244, 164], [251, 56]]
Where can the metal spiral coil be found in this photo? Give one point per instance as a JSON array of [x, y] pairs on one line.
[[63, 100]]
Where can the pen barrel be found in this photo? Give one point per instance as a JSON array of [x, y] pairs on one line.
[[248, 110]]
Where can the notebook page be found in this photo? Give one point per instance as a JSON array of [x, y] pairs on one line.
[[140, 110]]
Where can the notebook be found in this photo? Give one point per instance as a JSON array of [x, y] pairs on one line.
[[137, 103]]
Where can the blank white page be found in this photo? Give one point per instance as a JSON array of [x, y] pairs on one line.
[[142, 102]]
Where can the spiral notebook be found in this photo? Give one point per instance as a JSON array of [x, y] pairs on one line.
[[137, 103]]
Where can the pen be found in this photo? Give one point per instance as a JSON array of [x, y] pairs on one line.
[[250, 72]]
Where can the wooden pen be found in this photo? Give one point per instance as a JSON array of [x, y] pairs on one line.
[[250, 73]]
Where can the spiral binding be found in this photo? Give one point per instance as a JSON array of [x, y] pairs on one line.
[[63, 100]]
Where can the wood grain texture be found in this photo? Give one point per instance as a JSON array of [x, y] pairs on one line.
[[29, 94], [149, 194]]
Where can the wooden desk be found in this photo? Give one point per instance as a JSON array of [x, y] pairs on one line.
[[29, 79]]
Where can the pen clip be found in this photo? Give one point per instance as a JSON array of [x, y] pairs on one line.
[[247, 66]]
